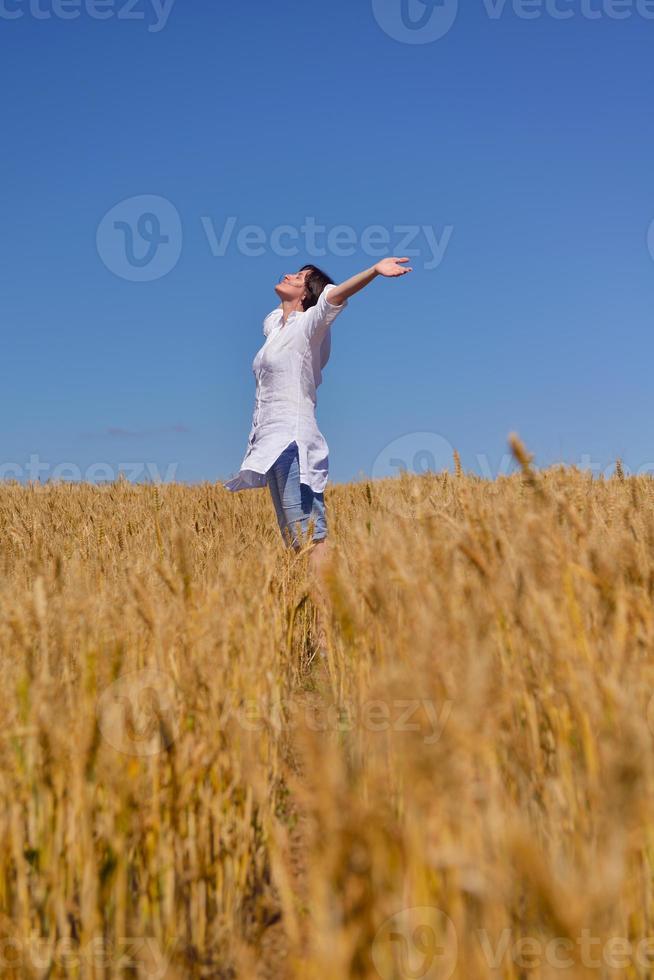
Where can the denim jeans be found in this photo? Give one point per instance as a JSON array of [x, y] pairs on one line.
[[296, 504]]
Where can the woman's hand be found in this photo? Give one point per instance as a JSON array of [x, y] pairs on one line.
[[392, 267], [387, 267]]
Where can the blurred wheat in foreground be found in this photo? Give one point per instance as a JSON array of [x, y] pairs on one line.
[[463, 788]]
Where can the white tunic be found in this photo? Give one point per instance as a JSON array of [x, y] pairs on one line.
[[287, 371]]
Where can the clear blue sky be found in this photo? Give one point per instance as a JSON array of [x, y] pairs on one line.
[[530, 139]]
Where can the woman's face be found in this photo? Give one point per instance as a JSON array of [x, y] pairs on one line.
[[291, 288]]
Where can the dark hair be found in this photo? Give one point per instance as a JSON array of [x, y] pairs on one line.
[[315, 283]]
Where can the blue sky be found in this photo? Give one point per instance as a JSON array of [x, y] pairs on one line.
[[520, 142]]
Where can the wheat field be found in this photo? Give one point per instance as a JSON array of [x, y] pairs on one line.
[[461, 788]]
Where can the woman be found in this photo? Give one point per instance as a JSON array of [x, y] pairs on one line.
[[286, 450]]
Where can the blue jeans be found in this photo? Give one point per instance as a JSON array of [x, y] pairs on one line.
[[296, 504]]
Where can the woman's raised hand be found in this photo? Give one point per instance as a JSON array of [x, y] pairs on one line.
[[391, 267]]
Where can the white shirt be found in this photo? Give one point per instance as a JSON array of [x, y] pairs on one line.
[[287, 371]]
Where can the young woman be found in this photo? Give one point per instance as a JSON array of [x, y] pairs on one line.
[[286, 450]]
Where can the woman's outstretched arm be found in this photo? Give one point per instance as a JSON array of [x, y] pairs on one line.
[[386, 267]]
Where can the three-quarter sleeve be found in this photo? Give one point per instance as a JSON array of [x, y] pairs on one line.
[[318, 318]]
